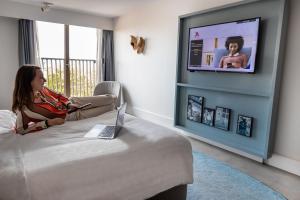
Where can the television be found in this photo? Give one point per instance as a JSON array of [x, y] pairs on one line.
[[224, 47]]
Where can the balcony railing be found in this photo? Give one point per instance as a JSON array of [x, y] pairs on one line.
[[83, 75]]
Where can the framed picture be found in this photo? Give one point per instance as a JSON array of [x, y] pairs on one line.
[[208, 116], [244, 125], [194, 108], [222, 118]]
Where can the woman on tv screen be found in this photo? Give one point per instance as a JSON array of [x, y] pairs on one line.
[[234, 59]]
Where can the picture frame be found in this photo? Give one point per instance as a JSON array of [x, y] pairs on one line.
[[244, 125], [208, 116], [222, 118], [195, 108]]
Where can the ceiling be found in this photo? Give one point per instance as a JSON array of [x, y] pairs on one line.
[[108, 8]]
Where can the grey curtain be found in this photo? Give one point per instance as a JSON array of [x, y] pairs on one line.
[[108, 71], [27, 48]]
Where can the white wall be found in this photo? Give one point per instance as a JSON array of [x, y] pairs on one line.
[[149, 80], [9, 60], [288, 130], [20, 10]]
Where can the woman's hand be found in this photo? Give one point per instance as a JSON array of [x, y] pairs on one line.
[[73, 106], [56, 121]]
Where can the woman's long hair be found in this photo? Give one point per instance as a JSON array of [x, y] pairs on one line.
[[23, 94]]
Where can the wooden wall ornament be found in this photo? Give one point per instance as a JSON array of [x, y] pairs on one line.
[[133, 42], [137, 43]]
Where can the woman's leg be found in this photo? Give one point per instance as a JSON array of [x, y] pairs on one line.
[[93, 112], [97, 101], [100, 105]]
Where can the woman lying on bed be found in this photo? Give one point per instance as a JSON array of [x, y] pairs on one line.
[[38, 107]]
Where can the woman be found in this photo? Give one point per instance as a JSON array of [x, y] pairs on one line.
[[38, 107], [234, 59]]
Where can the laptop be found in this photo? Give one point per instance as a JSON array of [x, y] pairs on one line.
[[108, 131]]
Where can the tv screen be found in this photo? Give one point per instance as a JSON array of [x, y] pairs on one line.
[[227, 47]]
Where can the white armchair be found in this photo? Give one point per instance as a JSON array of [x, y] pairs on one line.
[[110, 87]]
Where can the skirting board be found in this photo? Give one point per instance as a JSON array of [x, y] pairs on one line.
[[276, 160], [150, 116], [284, 163]]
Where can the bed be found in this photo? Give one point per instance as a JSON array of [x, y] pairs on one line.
[[145, 161]]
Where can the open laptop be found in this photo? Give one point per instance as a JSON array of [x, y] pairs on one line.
[[108, 131]]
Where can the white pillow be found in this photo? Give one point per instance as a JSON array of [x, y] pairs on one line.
[[7, 121]]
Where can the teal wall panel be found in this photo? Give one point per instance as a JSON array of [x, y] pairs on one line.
[[249, 94]]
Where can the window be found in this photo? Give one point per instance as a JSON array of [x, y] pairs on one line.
[[68, 57], [83, 51]]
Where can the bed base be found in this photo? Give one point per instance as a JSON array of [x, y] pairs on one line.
[[175, 193]]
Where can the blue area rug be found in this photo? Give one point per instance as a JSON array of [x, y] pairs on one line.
[[214, 180]]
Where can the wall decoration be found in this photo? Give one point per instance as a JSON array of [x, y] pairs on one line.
[[141, 45], [244, 125], [137, 43], [133, 42], [208, 116], [222, 119], [194, 108]]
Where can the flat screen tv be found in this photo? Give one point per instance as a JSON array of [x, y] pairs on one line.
[[226, 47]]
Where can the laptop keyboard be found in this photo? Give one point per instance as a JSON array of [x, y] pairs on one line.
[[108, 131]]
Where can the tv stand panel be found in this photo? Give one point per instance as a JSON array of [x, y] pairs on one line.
[[254, 95]]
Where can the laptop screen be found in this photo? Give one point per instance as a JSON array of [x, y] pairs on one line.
[[121, 116]]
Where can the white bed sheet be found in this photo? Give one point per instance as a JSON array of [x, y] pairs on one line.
[[7, 121], [58, 163]]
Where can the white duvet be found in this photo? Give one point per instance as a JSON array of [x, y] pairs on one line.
[[59, 164]]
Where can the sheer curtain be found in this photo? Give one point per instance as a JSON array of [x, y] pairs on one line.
[[99, 77], [28, 42]]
